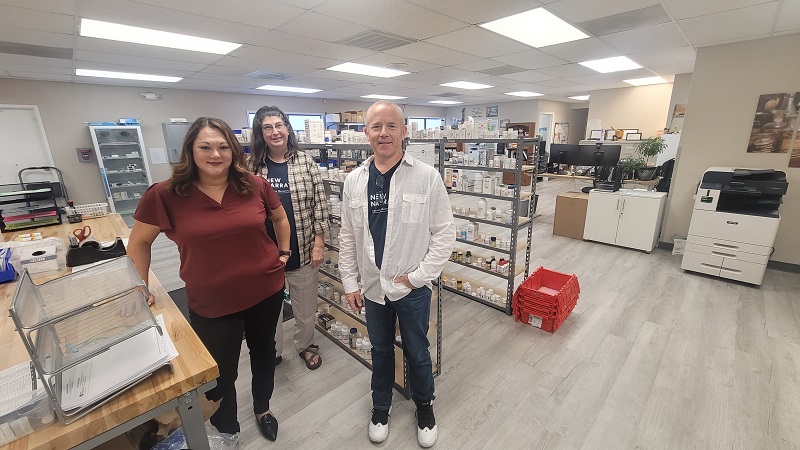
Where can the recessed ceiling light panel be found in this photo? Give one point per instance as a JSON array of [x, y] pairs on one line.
[[466, 85], [537, 28], [580, 97], [646, 81], [269, 87], [445, 102], [613, 64], [125, 76], [383, 97], [524, 94], [137, 35], [363, 69]]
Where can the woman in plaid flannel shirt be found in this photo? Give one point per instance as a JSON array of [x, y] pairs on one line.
[[296, 179]]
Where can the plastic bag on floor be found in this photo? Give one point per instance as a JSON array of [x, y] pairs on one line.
[[216, 440]]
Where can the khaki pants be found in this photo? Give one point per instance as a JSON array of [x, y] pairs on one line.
[[302, 285]]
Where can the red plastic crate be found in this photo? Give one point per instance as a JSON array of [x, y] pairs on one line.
[[549, 295]]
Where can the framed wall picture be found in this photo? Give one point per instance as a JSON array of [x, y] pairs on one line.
[[627, 131], [633, 137], [596, 134], [491, 111]]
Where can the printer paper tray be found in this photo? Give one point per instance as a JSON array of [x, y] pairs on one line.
[[744, 228]]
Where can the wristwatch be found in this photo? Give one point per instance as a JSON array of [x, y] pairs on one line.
[[285, 253]]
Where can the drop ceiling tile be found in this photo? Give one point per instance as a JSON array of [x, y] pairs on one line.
[[60, 7], [666, 56], [567, 70], [531, 76], [500, 82], [424, 51], [684, 9], [481, 64], [675, 69], [476, 11], [530, 59], [647, 39], [164, 19], [319, 26], [406, 19], [343, 76], [91, 65], [7, 58], [35, 37], [309, 82], [248, 82], [730, 26], [250, 65], [557, 83], [789, 16], [577, 11], [66, 69], [305, 4], [308, 46], [192, 86], [40, 76], [631, 20], [237, 83], [263, 54], [112, 58], [478, 41], [383, 59], [600, 78], [36, 20], [262, 14], [224, 70], [143, 51], [582, 50], [450, 74], [526, 87]]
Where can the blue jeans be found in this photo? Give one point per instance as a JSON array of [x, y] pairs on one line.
[[413, 312]]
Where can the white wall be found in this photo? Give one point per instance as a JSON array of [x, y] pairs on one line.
[[726, 84], [65, 107], [642, 107]]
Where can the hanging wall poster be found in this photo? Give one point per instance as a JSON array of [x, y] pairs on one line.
[[774, 124], [561, 133], [491, 111]]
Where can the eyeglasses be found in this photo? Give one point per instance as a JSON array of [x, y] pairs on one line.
[[269, 128]]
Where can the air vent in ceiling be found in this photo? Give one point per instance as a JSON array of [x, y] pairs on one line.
[[630, 20], [376, 41], [16, 48], [264, 75], [503, 70]]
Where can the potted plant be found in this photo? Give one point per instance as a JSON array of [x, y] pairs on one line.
[[649, 148], [630, 165]]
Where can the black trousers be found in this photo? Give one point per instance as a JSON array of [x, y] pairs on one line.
[[222, 336]]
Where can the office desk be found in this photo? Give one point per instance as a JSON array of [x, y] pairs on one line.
[[192, 373], [649, 183]]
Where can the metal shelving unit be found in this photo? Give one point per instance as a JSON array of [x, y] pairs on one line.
[[345, 153], [521, 218]]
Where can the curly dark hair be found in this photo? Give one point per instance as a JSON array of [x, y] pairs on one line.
[[185, 174], [258, 157]]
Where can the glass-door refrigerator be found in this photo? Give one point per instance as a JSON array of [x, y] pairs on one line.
[[123, 164]]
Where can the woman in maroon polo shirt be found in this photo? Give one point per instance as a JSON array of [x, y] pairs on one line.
[[215, 211]]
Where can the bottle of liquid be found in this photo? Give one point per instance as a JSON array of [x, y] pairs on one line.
[[367, 349], [478, 183], [482, 206], [353, 338], [488, 185]]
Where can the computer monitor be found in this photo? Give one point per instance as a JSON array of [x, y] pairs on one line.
[[564, 154], [599, 154]]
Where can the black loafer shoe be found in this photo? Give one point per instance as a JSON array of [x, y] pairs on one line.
[[268, 425], [278, 360]]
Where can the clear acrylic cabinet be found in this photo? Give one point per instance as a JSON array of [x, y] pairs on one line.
[[122, 157]]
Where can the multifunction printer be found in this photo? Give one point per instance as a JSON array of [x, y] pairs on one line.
[[734, 223]]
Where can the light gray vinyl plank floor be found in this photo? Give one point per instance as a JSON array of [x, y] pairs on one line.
[[650, 358]]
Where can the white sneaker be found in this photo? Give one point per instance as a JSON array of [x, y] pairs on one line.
[[427, 431], [379, 425]]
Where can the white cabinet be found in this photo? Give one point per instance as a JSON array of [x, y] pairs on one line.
[[123, 166], [627, 218]]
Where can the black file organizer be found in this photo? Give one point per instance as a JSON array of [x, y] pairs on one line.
[[92, 252]]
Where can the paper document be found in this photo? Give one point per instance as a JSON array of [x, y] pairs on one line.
[[112, 371], [18, 387]]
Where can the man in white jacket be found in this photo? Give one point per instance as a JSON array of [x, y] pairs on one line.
[[397, 233]]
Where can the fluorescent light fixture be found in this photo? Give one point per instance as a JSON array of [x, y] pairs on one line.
[[537, 28], [445, 102], [363, 69], [383, 97], [580, 97], [466, 85], [524, 94], [125, 76], [646, 81], [608, 65], [269, 87], [146, 36]]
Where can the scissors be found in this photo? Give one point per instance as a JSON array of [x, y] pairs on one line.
[[82, 233]]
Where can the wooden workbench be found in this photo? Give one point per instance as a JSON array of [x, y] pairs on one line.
[[192, 372]]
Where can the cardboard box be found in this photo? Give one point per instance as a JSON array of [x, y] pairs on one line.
[[359, 116], [570, 216]]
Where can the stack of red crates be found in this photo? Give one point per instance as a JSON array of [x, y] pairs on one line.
[[545, 299]]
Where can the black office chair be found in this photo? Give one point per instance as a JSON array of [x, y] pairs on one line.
[[665, 172]]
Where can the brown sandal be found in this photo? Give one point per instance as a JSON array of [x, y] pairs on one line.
[[313, 350]]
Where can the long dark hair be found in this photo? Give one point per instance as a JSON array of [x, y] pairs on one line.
[[258, 157], [184, 174]]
